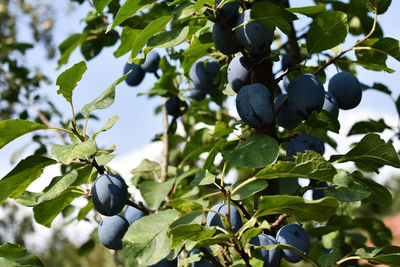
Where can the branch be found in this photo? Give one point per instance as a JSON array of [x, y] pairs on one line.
[[164, 163], [280, 219]]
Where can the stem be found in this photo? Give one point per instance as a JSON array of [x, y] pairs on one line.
[[140, 206], [348, 259], [85, 127], [223, 173], [164, 163], [61, 129], [242, 208], [73, 113], [280, 219], [243, 184]]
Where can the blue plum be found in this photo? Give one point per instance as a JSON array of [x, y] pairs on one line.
[[293, 235], [136, 76], [214, 219], [253, 36], [197, 94], [272, 257], [238, 74], [346, 89], [132, 214], [112, 230], [150, 64], [109, 194], [305, 94], [166, 263], [302, 143], [319, 193], [202, 263], [254, 105], [285, 118], [175, 106], [203, 73], [287, 62], [227, 12], [223, 40], [330, 104]]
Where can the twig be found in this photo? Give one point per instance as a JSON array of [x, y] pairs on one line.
[[242, 208], [210, 257], [164, 163], [280, 219]]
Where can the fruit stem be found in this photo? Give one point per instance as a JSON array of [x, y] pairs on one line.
[[139, 206]]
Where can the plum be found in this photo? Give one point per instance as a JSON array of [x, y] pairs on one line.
[[223, 40], [319, 193], [150, 64], [166, 263], [293, 235], [203, 73], [132, 214], [197, 95], [112, 230], [175, 106], [109, 194], [202, 263], [302, 143], [287, 62], [346, 89], [136, 76], [285, 118], [330, 104], [227, 12], [305, 94], [214, 219], [272, 257], [254, 105], [253, 36], [238, 74]]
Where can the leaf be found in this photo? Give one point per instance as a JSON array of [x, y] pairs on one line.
[[327, 30], [12, 129], [272, 16], [128, 9], [256, 152], [69, 79], [380, 194], [318, 210], [309, 164], [19, 178], [55, 190], [85, 210], [105, 99], [151, 29], [381, 6], [203, 177], [364, 127], [110, 123], [67, 153], [329, 259], [146, 241], [185, 205], [221, 129], [105, 159], [69, 45], [379, 234], [310, 11], [193, 232], [12, 250], [101, 4], [249, 189], [372, 153], [154, 193], [127, 38], [46, 212], [28, 261], [353, 193], [169, 38]]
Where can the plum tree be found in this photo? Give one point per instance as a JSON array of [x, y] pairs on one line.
[[293, 235], [151, 62], [346, 89], [111, 231], [330, 104], [302, 143], [238, 75], [202, 263], [285, 117], [203, 73], [109, 194], [136, 76], [254, 105], [223, 40], [175, 106], [133, 214], [214, 219], [271, 257]]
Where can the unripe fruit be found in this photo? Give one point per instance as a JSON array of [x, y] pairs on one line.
[[253, 36], [150, 64], [254, 105], [175, 107], [203, 73], [136, 76], [302, 143], [330, 104], [346, 89], [305, 94], [238, 74], [132, 214], [272, 257], [285, 118], [112, 230], [223, 40], [214, 219], [109, 194], [293, 235]]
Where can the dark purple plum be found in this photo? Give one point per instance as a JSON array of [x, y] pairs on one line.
[[132, 214], [166, 263], [272, 257], [346, 89], [254, 105], [330, 104], [214, 219], [109, 194], [295, 236], [197, 95], [226, 13], [203, 73], [238, 74], [175, 106], [136, 76], [253, 36], [285, 118], [112, 230], [302, 143], [150, 64], [223, 40], [319, 193], [202, 263], [305, 94], [286, 62]]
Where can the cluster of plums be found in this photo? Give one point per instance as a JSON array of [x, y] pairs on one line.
[[138, 71]]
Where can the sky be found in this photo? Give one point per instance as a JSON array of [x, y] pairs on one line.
[[137, 122]]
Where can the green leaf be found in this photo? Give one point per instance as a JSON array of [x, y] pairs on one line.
[[105, 99], [12, 129], [221, 129], [154, 193], [379, 234], [110, 123], [256, 152], [69, 79], [169, 38], [69, 45], [128, 9], [364, 127], [10, 250], [309, 164], [105, 159], [86, 248], [380, 194], [372, 153], [272, 16], [55, 189], [249, 189], [381, 6], [147, 168], [185, 205], [355, 192], [85, 210], [146, 241], [150, 30], [127, 38], [329, 259], [67, 153], [193, 232], [203, 177], [327, 30], [101, 4], [19, 178], [310, 11], [318, 210], [28, 261], [46, 212]]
